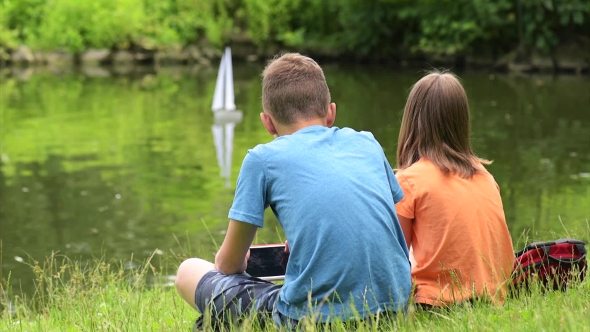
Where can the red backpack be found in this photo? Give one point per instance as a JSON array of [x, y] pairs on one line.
[[556, 264]]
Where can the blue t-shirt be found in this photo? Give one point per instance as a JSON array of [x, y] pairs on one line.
[[334, 194]]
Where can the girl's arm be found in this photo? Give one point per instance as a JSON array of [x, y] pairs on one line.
[[406, 224]]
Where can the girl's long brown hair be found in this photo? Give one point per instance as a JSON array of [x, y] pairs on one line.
[[436, 126]]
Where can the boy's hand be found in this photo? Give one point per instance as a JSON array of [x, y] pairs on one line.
[[287, 250]]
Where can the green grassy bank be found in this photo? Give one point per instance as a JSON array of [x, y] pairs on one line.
[[106, 297]]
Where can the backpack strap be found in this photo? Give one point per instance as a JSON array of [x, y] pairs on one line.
[[577, 243], [536, 245], [567, 261], [546, 246], [581, 245]]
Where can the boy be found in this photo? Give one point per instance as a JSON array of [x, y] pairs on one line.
[[332, 191]]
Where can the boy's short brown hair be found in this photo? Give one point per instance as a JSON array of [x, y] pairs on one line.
[[294, 88]]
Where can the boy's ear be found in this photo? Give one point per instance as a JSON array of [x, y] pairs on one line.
[[331, 115], [268, 124]]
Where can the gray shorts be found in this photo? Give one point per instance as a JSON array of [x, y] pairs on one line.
[[225, 299]]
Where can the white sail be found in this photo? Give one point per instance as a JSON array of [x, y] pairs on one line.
[[229, 104], [218, 99], [224, 99]]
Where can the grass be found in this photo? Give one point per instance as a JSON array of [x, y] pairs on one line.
[[107, 297]]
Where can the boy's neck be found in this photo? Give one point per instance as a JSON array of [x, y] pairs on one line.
[[283, 130]]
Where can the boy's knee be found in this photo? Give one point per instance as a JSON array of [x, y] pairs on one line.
[[185, 270], [182, 270], [191, 271]]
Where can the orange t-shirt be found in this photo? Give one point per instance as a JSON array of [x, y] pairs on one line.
[[460, 239]]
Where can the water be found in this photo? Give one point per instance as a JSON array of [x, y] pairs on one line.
[[127, 166]]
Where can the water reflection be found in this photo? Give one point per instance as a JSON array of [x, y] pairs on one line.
[[223, 137], [110, 167], [225, 116]]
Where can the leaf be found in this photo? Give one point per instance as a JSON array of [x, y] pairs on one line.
[[565, 19], [541, 43], [578, 17]]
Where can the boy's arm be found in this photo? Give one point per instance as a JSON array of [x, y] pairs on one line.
[[396, 189], [232, 257], [246, 216]]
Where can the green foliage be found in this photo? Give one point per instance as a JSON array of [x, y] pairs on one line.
[[22, 17], [77, 25], [374, 28], [348, 26], [8, 37], [542, 22], [218, 21], [380, 27], [183, 21], [452, 27], [12, 32]]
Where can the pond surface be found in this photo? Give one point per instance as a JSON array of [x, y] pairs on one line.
[[127, 166]]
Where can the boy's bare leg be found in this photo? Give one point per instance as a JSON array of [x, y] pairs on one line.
[[189, 274]]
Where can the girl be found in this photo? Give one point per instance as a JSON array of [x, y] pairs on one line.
[[451, 214]]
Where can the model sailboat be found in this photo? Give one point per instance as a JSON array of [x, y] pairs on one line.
[[225, 116]]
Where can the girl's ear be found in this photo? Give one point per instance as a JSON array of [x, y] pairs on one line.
[[268, 123], [331, 115]]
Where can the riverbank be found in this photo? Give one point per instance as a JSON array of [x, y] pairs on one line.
[[568, 61], [106, 296]]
